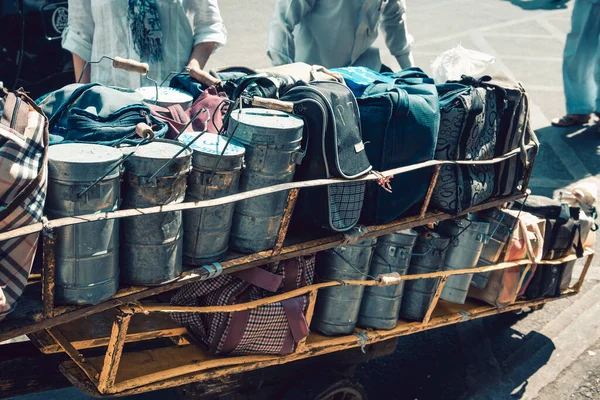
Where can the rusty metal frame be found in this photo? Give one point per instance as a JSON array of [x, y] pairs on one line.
[[114, 350], [48, 273], [105, 381], [435, 299], [73, 354], [285, 221], [432, 183], [65, 314]]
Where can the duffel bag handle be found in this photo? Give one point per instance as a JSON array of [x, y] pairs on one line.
[[295, 316], [260, 278]]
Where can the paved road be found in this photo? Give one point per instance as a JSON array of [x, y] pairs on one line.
[[550, 354]]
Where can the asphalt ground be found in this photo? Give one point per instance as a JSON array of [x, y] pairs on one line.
[[550, 354]]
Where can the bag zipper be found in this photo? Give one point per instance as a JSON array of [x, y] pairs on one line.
[[115, 118]]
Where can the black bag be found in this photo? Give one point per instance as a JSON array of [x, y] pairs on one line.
[[545, 282], [563, 231], [468, 131], [514, 132], [334, 149]]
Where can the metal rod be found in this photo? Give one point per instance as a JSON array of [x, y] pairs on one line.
[[202, 110], [184, 148], [173, 74], [87, 63], [155, 88], [117, 165], [48, 273]]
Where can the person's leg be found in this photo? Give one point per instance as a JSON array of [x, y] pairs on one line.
[[597, 62], [579, 64], [579, 59]]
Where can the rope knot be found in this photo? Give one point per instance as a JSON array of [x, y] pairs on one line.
[[46, 227], [362, 340], [354, 234], [383, 181]]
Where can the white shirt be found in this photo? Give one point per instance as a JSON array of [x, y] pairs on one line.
[[100, 28], [338, 33]]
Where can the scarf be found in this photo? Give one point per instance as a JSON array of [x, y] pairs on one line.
[[146, 29]]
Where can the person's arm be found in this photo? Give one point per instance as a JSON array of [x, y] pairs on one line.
[[287, 14], [209, 31], [397, 38], [200, 55], [77, 36]]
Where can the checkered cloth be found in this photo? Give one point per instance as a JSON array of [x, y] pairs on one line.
[[270, 329], [23, 180]]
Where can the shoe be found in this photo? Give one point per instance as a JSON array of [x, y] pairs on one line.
[[572, 120]]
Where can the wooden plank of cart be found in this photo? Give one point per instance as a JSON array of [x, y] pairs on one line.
[[134, 315]]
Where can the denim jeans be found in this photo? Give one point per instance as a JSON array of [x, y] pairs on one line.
[[581, 64], [98, 114]]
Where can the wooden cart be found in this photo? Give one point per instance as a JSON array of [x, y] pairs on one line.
[[137, 314]]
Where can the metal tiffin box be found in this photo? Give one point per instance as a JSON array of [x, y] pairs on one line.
[[87, 258], [272, 140], [381, 305], [151, 245], [216, 170], [468, 237], [428, 257], [501, 227], [337, 308]]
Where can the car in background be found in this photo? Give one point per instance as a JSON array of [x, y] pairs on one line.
[[31, 55]]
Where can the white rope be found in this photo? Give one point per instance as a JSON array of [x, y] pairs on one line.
[[80, 219]]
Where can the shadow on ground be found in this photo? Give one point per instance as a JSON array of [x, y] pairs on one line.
[[480, 359], [540, 4], [584, 140]]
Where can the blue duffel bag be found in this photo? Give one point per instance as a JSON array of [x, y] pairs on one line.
[[400, 119]]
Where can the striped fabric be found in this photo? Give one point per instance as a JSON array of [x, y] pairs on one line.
[[23, 180]]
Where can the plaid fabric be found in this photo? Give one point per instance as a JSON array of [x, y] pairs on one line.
[[267, 327], [23, 180]]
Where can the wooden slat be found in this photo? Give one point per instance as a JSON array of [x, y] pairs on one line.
[[145, 368], [238, 264], [94, 331]]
